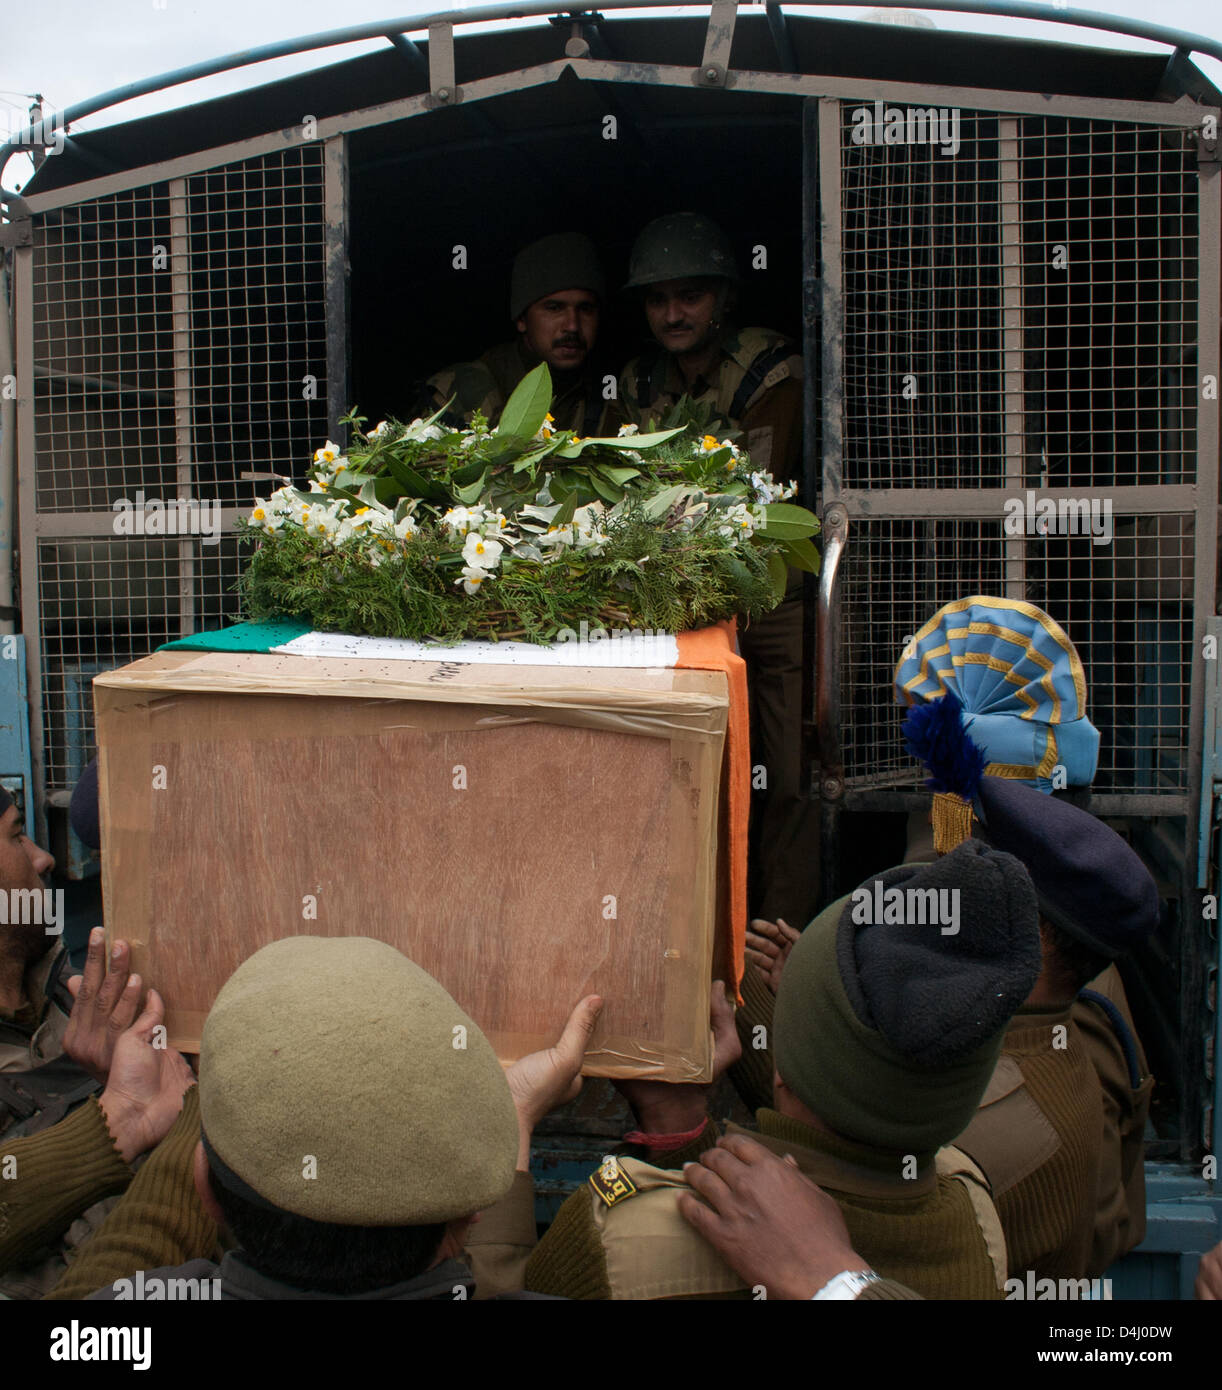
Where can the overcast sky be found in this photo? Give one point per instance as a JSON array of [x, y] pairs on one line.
[[81, 48]]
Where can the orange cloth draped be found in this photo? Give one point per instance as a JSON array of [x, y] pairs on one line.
[[712, 649]]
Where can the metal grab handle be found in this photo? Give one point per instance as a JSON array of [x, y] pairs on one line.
[[827, 683]]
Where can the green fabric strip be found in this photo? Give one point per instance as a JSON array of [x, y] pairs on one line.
[[242, 637]]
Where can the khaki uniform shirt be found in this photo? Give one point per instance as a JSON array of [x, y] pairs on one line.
[[770, 420], [488, 382], [1120, 1221], [34, 1033], [936, 1233], [1038, 1136]]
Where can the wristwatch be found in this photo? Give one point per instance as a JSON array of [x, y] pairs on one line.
[[846, 1285]]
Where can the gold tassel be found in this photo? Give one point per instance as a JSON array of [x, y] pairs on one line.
[[952, 821]]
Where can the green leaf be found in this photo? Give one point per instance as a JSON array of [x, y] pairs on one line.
[[662, 502], [529, 460], [468, 473], [471, 493], [618, 474], [567, 509], [645, 441], [785, 522], [778, 572], [437, 414], [526, 409], [414, 484], [609, 493], [802, 555]]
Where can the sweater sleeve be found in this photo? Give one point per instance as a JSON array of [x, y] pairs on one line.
[[752, 1073], [886, 1290], [159, 1223], [48, 1179], [569, 1262]]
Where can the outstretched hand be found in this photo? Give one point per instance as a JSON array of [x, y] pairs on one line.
[[105, 1004], [768, 948], [541, 1081], [143, 1095]]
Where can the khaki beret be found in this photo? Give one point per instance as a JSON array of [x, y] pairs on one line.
[[333, 1084]]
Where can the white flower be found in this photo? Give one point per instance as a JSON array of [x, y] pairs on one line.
[[267, 517], [626, 430], [558, 535], [472, 578], [378, 430], [459, 521], [419, 430], [382, 524], [738, 522], [591, 540], [769, 490], [321, 521], [327, 454], [482, 552]]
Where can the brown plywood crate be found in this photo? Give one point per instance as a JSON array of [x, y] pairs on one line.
[[527, 836]]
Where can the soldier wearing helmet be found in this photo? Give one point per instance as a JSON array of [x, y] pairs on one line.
[[555, 301], [751, 380]]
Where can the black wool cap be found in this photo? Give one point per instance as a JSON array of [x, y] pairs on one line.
[[1089, 882], [892, 1008], [937, 995]]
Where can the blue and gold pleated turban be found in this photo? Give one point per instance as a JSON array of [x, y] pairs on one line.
[[1020, 682]]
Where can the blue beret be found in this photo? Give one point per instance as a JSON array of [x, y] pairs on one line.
[[1089, 882], [83, 808]]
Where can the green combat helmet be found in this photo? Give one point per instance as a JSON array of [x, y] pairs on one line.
[[680, 246], [562, 261]]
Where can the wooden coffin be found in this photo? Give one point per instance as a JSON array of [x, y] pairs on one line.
[[527, 835]]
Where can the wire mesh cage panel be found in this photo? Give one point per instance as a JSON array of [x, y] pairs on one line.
[[1109, 285], [896, 574], [1127, 607], [1098, 300], [180, 352], [103, 363], [1021, 303], [258, 323], [108, 602], [923, 398]]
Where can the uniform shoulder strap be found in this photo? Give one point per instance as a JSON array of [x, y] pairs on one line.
[[31, 1101], [954, 1163], [763, 362], [646, 365], [1119, 1025], [57, 984]]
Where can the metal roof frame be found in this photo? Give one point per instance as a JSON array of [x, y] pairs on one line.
[[713, 71], [1182, 114]]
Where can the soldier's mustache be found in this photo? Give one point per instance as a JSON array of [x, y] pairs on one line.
[[574, 340]]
